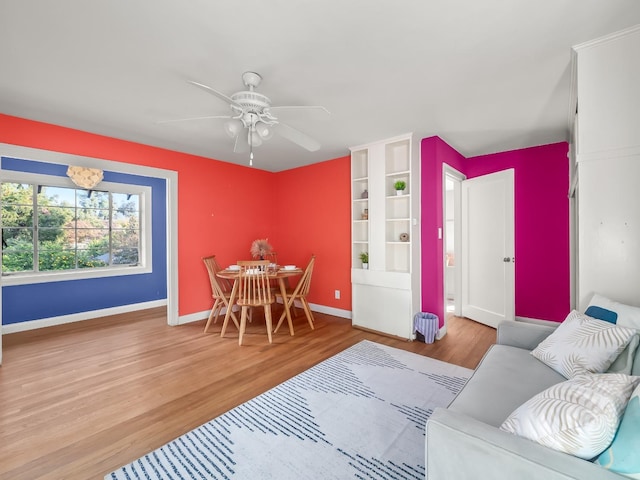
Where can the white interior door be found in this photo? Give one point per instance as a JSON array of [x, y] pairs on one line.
[[488, 271]]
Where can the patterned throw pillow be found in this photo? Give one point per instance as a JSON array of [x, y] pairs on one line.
[[578, 417], [624, 362], [623, 454], [582, 344]]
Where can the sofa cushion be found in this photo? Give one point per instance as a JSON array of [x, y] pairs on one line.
[[579, 417], [582, 344], [512, 372], [622, 455]]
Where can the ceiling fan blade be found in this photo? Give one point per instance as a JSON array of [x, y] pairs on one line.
[[216, 93], [297, 137], [315, 112], [207, 117]]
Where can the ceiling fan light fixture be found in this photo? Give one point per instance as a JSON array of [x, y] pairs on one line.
[[265, 131], [252, 115], [233, 127], [254, 138]]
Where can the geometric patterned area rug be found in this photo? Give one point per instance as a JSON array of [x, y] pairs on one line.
[[359, 414]]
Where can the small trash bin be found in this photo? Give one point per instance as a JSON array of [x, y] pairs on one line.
[[425, 326]]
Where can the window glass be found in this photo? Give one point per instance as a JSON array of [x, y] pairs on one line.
[[48, 228]]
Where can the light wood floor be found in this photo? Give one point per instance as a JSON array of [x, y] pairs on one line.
[[78, 401]]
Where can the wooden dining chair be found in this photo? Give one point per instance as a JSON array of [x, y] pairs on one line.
[[272, 257], [220, 291], [254, 291], [300, 293]]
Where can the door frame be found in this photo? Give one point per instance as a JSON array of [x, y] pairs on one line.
[[448, 172]]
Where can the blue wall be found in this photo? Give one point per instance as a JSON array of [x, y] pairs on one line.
[[21, 303]]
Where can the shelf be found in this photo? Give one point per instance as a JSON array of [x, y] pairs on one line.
[[401, 173]]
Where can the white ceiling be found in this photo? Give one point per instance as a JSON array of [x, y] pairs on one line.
[[484, 75]]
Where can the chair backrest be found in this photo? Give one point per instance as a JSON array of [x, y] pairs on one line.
[[272, 257], [302, 289], [219, 286], [254, 288]]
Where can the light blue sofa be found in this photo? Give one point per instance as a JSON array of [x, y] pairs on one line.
[[464, 441]]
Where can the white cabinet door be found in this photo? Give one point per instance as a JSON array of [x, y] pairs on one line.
[[488, 280]]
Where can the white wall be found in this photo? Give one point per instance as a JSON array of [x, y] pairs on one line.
[[608, 156]]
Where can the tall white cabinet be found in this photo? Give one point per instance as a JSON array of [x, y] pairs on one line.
[[606, 151], [384, 224]]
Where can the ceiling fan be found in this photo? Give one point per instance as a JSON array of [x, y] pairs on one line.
[[252, 119]]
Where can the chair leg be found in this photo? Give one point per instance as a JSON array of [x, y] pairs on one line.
[[267, 318], [307, 311], [233, 317], [243, 324], [216, 305]]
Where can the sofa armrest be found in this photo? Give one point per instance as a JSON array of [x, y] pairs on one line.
[[522, 335], [460, 447]]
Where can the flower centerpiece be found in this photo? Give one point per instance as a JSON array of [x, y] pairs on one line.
[[260, 248]]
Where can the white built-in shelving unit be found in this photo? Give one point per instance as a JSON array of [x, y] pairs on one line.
[[384, 224]]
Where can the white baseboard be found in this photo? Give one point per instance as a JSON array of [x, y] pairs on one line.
[[336, 312], [183, 319], [537, 321], [203, 315], [78, 317], [194, 317]]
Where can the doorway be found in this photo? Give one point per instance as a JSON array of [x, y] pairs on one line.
[[452, 240], [478, 246]]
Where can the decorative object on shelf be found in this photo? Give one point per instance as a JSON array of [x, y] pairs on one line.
[[400, 185], [404, 237], [365, 214], [365, 194], [364, 257], [260, 248], [85, 177]]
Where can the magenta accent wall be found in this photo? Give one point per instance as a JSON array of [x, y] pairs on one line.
[[542, 272]]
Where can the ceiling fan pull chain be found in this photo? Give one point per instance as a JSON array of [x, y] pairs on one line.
[[250, 150]]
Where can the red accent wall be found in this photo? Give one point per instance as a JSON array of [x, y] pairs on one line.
[[542, 272], [314, 218], [222, 207]]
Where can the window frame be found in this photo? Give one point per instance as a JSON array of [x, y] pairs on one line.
[[145, 257]]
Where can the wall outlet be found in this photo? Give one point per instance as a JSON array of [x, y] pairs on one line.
[[337, 294]]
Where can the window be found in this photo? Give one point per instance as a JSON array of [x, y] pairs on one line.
[[49, 228]]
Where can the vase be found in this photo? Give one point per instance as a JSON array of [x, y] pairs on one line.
[[399, 192]]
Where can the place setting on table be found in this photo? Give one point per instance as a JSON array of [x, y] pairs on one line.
[[257, 283]]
